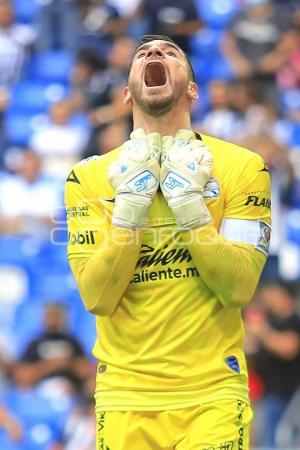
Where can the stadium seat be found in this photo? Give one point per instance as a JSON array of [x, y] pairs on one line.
[[290, 100], [20, 257], [295, 135], [51, 66], [27, 325], [6, 443], [202, 69], [11, 250], [222, 69], [25, 10], [293, 226], [217, 14], [211, 67], [53, 283], [18, 129], [41, 422], [205, 42], [33, 97]]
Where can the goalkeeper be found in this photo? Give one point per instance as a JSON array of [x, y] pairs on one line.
[[168, 235]]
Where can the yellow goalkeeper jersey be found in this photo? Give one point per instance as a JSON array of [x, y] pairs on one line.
[[170, 342]]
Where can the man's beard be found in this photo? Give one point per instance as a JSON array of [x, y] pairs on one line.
[[155, 107]]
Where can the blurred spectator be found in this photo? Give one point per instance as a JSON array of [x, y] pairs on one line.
[[262, 119], [100, 25], [113, 107], [220, 121], [10, 425], [57, 24], [253, 40], [4, 100], [243, 93], [287, 62], [79, 432], [276, 334], [6, 354], [176, 18], [59, 142], [288, 430], [80, 427], [15, 43], [28, 200], [112, 136], [126, 9], [282, 176], [55, 360], [90, 81]]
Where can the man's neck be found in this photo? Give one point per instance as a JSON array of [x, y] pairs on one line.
[[167, 124]]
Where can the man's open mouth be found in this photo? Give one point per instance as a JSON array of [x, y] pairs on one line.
[[155, 74]]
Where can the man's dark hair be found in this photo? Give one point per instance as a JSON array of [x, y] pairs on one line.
[[162, 37]]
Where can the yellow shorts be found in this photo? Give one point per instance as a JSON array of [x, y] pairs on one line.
[[222, 425]]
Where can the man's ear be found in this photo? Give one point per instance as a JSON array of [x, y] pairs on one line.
[[193, 92], [127, 96]]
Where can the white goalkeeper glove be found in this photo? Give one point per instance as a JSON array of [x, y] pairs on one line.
[[135, 177], [186, 166]]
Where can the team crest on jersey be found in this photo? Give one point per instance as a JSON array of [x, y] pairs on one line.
[[233, 363], [211, 189]]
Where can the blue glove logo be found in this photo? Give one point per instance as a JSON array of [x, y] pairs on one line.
[[141, 183], [145, 181], [172, 183], [175, 181]]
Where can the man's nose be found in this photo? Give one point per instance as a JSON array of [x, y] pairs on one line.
[[153, 52]]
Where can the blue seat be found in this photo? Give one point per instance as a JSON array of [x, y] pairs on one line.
[[11, 250], [205, 42], [28, 323], [293, 226], [51, 284], [202, 68], [51, 66], [217, 13], [41, 422], [6, 443], [211, 67], [294, 198], [35, 97], [25, 10], [222, 69], [290, 100], [18, 128], [295, 134]]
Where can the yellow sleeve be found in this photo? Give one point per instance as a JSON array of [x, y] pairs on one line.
[[231, 269], [102, 257]]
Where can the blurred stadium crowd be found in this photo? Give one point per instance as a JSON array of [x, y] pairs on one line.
[[63, 65]]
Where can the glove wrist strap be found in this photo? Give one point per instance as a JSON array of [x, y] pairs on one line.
[[130, 211], [190, 211]]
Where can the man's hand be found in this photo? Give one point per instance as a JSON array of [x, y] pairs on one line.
[[186, 166], [135, 177]]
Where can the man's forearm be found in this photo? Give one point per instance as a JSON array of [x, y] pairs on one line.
[[104, 276], [230, 270]]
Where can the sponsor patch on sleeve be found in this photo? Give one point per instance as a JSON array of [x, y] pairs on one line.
[[254, 232], [211, 189], [265, 237]]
